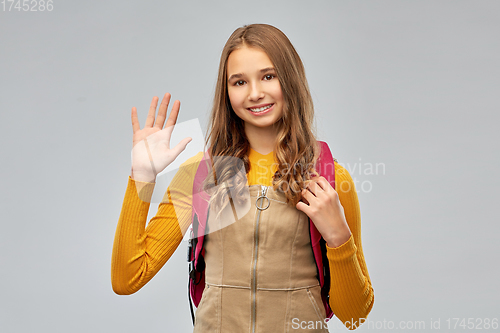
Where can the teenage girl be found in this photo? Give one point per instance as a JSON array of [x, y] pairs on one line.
[[260, 272]]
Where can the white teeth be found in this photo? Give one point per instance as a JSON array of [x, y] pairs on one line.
[[261, 109]]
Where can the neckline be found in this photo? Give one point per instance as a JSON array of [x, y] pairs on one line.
[[257, 153], [255, 156]]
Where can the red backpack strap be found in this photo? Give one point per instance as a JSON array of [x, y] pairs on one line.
[[199, 216], [200, 206], [326, 168]]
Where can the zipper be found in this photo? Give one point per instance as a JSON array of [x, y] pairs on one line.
[[260, 208]]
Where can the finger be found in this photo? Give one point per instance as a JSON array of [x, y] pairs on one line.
[[162, 113], [135, 121], [302, 207], [313, 187], [150, 120], [172, 119], [166, 133], [306, 196], [325, 185], [169, 126]]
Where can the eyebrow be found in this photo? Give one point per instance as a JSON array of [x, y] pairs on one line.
[[262, 71]]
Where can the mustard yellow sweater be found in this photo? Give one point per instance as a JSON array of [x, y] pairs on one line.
[[139, 252]]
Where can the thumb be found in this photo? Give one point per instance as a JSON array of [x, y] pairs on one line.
[[181, 146]]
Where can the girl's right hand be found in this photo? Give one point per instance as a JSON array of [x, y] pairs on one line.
[[151, 152]]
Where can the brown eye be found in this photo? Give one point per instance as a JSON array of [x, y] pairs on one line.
[[270, 75], [237, 83]]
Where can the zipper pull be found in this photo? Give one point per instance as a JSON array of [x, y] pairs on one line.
[[262, 197]]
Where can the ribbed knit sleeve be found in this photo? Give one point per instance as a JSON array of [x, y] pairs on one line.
[[139, 252], [351, 291]]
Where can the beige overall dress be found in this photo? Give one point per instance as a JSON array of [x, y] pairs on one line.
[[260, 272]]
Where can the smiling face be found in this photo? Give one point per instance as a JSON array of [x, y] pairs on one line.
[[254, 89]]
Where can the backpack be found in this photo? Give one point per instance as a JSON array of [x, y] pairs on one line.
[[326, 168]]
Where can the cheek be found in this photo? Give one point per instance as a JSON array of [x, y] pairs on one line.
[[277, 93], [234, 98]]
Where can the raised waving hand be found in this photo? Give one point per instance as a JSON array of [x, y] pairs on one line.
[[151, 152]]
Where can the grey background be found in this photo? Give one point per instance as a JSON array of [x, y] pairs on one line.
[[413, 85]]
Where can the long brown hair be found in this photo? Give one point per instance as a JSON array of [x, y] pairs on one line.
[[296, 147]]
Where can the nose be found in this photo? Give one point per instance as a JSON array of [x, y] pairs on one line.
[[255, 92]]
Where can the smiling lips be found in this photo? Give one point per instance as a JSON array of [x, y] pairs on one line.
[[260, 108]]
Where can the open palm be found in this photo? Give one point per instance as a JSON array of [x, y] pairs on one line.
[[151, 152]]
